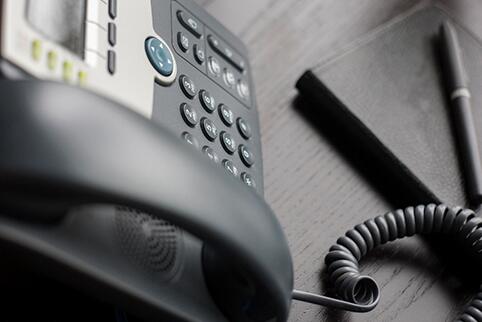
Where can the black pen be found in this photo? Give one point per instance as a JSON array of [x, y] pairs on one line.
[[459, 94]]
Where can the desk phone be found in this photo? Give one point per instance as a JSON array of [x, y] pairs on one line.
[[130, 169], [167, 60]]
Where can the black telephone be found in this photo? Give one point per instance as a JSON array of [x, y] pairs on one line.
[[97, 184]]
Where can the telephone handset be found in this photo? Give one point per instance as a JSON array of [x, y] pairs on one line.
[[190, 237]]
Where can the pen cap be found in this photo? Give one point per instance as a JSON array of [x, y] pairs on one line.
[[452, 57]]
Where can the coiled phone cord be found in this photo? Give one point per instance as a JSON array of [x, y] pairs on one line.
[[361, 293]]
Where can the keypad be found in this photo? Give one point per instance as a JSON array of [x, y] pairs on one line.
[[211, 132], [214, 123]]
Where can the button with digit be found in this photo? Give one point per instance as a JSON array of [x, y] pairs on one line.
[[188, 86], [244, 128], [199, 54], [209, 129], [190, 139], [189, 114], [230, 167], [209, 152], [228, 142], [229, 78], [182, 41], [207, 101], [248, 180], [214, 66], [246, 156], [226, 115]]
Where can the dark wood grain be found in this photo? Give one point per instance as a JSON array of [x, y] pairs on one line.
[[315, 191]]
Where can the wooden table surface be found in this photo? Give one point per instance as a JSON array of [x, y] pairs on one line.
[[312, 187]]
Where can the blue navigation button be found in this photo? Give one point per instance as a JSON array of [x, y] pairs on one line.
[[160, 56]]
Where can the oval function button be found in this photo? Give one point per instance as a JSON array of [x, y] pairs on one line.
[[209, 152], [190, 139], [189, 114], [160, 56], [248, 180], [230, 167], [226, 115], [190, 23], [207, 101], [209, 129], [188, 86], [228, 142], [246, 156], [244, 128]]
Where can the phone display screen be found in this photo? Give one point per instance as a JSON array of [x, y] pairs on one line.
[[62, 21]]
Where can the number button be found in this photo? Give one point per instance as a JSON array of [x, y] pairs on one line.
[[244, 128], [209, 129], [209, 152], [190, 139], [228, 143], [246, 156], [214, 66], [189, 114], [227, 116], [230, 167], [188, 86], [207, 101], [248, 180]]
